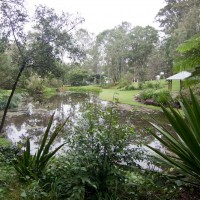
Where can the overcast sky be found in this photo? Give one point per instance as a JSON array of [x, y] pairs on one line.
[[105, 14]]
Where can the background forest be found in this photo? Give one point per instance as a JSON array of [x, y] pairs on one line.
[[74, 56]]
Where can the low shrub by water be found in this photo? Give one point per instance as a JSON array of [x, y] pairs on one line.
[[155, 97]]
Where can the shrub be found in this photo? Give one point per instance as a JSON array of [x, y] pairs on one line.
[[157, 96], [36, 191], [128, 88], [35, 84], [162, 97], [125, 80], [97, 158], [146, 94], [152, 85], [8, 153], [186, 92], [55, 83]]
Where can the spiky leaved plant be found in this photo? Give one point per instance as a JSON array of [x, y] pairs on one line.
[[32, 166], [184, 146]]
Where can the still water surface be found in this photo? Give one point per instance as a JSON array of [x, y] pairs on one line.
[[30, 119]]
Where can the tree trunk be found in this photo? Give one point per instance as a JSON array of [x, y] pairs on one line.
[[10, 97]]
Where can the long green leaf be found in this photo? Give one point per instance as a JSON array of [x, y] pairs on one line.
[[185, 147], [45, 136], [58, 128]]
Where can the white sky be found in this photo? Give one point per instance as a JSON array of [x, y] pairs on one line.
[[106, 14]]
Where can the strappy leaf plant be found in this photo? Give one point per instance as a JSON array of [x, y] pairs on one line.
[[30, 166], [184, 146]]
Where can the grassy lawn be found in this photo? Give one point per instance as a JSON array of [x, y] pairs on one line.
[[124, 97], [49, 92], [89, 88], [127, 97], [175, 84]]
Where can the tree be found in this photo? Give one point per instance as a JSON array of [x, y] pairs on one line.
[[112, 46], [190, 54], [176, 12], [77, 77], [157, 63], [180, 21], [142, 42], [42, 48], [122, 49], [51, 39]]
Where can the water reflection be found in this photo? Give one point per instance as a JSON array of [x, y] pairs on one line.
[[31, 118]]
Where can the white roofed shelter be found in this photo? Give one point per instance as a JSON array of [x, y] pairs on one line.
[[180, 76]]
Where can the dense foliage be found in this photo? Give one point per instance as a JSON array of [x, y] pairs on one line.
[[190, 55], [155, 97]]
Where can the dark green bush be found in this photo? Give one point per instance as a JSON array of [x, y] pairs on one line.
[[9, 153], [157, 96], [162, 97]]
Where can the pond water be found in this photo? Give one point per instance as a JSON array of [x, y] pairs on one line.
[[30, 119]]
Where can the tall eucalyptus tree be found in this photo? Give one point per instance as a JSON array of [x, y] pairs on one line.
[[112, 47], [142, 41]]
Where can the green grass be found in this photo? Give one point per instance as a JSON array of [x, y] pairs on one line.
[[127, 97], [49, 92], [93, 89], [175, 86], [163, 82], [5, 92], [124, 97]]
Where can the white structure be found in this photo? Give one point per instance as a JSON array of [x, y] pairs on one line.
[[180, 76]]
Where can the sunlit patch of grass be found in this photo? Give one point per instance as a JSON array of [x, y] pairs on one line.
[[92, 89], [124, 97], [49, 92]]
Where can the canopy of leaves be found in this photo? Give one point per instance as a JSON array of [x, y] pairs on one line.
[[190, 54]]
